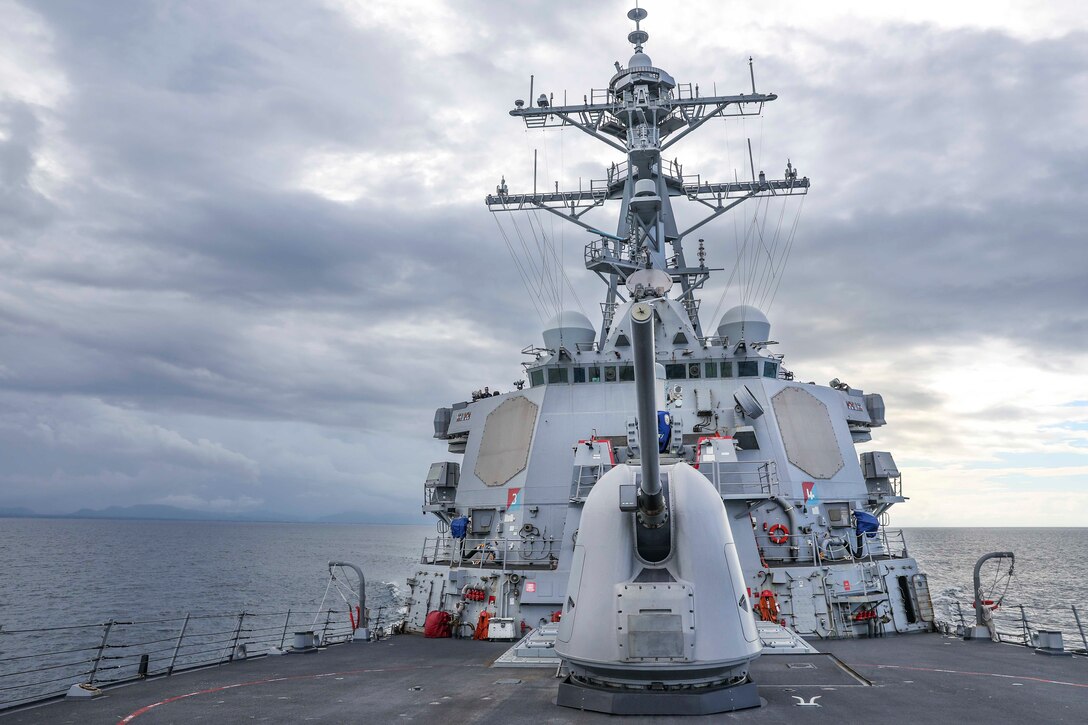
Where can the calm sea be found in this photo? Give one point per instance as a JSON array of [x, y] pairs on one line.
[[57, 571], [1050, 575], [65, 571]]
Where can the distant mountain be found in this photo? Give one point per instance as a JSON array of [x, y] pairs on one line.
[[145, 511], [158, 512], [18, 512], [359, 517]]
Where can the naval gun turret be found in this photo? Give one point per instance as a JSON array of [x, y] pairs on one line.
[[656, 619]]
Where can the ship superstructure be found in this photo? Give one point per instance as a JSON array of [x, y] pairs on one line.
[[808, 512]]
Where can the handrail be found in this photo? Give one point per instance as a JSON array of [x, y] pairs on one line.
[[1023, 627], [115, 650], [814, 549], [491, 552]]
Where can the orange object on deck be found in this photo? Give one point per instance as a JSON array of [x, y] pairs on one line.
[[482, 624]]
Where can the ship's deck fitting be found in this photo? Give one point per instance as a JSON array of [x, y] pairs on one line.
[[920, 678]]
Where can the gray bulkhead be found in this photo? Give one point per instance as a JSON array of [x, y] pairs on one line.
[[525, 516]]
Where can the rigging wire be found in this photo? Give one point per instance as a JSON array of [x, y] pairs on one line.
[[520, 270], [768, 269], [786, 253], [551, 261], [566, 279], [531, 268], [546, 259], [546, 293], [548, 277]]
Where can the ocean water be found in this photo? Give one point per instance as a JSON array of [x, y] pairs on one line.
[[1050, 573], [64, 571], [58, 573], [148, 575], [72, 571]]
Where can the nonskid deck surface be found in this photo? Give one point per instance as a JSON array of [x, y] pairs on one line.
[[926, 678]]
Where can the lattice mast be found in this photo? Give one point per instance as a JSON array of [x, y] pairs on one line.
[[642, 113]]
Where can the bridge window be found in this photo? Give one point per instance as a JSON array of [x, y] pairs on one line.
[[627, 373], [536, 377], [727, 369], [594, 374], [557, 375], [675, 371], [710, 370], [748, 369], [770, 370], [579, 375], [610, 374]]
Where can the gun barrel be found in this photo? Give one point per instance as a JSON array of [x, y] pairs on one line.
[[651, 499]]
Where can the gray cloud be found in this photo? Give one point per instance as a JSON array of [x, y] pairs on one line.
[[184, 318]]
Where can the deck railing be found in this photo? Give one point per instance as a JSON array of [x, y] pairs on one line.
[[1020, 624], [814, 550], [737, 479], [491, 553], [41, 663]]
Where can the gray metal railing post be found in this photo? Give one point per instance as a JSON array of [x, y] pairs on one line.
[[1080, 627], [1024, 623], [177, 646], [286, 624], [237, 633], [101, 649], [324, 631]]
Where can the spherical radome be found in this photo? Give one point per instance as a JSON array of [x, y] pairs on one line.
[[744, 322], [568, 329]]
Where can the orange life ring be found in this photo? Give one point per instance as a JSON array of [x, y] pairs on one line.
[[778, 538]]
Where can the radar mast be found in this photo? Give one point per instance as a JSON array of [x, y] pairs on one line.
[[642, 113]]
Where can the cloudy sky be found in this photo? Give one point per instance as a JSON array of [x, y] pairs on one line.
[[244, 255]]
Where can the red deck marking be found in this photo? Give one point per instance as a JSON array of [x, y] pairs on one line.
[[147, 708], [982, 674]]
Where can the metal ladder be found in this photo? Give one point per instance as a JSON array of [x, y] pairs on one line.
[[920, 584]]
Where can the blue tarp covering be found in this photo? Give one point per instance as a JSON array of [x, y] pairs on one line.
[[459, 527], [867, 523], [664, 430]]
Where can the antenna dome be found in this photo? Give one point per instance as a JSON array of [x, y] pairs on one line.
[[640, 60], [744, 322], [568, 329]]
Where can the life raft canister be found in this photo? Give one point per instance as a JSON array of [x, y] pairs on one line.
[[437, 625]]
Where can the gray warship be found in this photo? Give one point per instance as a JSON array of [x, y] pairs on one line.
[[601, 478], [809, 514]]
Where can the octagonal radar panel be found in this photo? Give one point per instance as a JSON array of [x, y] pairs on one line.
[[807, 432], [507, 437]]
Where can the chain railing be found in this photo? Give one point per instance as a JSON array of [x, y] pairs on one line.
[[41, 663]]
